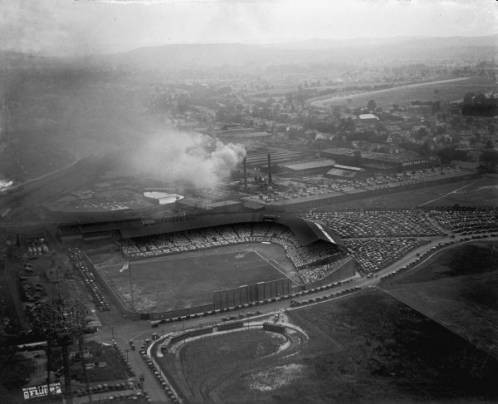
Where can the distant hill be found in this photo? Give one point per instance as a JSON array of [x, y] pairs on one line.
[[249, 56], [417, 50]]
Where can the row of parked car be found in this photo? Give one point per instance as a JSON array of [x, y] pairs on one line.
[[82, 266], [421, 257], [157, 374], [295, 303], [107, 387]]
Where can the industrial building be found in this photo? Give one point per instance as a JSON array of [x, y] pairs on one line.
[[377, 161], [308, 167], [344, 171]]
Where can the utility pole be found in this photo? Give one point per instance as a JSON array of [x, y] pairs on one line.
[[269, 170], [245, 174], [60, 322], [130, 281]]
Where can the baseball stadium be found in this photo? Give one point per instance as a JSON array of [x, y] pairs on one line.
[[188, 264]]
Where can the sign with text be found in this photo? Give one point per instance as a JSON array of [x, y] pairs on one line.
[[42, 390]]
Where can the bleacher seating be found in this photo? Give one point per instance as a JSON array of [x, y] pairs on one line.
[[316, 257]]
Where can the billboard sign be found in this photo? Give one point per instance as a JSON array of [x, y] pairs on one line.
[[41, 390]]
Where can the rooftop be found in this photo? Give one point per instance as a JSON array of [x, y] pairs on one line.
[[385, 157], [368, 116], [350, 168], [337, 172], [308, 165]]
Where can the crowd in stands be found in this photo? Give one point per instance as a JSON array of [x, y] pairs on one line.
[[302, 256], [321, 271], [467, 221], [374, 254], [376, 238], [377, 223]]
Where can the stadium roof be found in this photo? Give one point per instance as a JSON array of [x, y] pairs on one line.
[[306, 232]]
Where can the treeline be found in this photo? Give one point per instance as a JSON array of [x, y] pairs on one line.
[[479, 105]]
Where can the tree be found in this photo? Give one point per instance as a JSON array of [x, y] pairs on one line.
[[468, 98], [336, 112], [372, 105], [489, 160], [16, 370], [491, 129], [448, 154]]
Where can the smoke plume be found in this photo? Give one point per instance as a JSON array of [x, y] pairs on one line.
[[192, 159]]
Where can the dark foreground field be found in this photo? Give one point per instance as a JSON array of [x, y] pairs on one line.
[[458, 287], [367, 347], [188, 280]]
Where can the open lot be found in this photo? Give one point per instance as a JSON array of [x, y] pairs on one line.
[[459, 288], [480, 191], [189, 279], [447, 90], [366, 347], [113, 365]]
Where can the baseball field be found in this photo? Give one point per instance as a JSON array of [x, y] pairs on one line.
[[189, 279]]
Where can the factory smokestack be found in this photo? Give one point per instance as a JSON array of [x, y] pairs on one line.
[[269, 169], [245, 173]]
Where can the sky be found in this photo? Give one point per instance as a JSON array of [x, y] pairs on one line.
[[76, 27]]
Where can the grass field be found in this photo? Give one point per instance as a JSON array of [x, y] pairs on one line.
[[189, 279], [366, 347], [207, 363], [480, 191], [446, 90], [458, 287]]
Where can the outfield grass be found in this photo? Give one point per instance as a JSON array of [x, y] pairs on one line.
[[187, 280]]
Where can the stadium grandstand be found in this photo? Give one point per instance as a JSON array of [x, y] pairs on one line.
[[314, 249]]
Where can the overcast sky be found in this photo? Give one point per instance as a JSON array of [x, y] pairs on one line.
[[96, 26]]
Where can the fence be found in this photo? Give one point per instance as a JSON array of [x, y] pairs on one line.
[[245, 294]]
